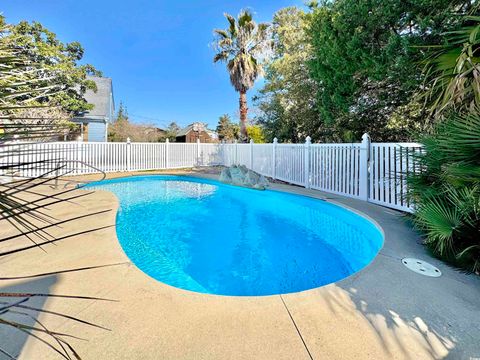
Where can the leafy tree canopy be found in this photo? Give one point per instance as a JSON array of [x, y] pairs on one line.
[[368, 61], [227, 130], [255, 133], [352, 66], [60, 60], [172, 131], [287, 101]]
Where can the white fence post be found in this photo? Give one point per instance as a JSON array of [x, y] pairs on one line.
[[364, 158], [251, 154], [78, 158], [308, 142], [167, 155], [274, 158], [129, 154], [222, 152], [198, 153], [236, 153]]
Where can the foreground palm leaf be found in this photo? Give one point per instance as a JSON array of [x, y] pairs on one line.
[[453, 71], [447, 191], [26, 119]]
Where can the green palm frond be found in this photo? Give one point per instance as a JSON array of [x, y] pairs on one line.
[[245, 18], [453, 71], [233, 25], [447, 190], [221, 56], [470, 255], [241, 46], [439, 219], [222, 33]]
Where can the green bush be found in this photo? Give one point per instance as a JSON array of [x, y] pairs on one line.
[[446, 191]]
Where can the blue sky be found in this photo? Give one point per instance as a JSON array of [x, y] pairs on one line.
[[157, 52]]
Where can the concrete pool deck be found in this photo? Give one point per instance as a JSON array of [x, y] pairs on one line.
[[384, 311]]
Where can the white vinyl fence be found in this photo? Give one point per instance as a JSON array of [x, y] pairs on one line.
[[374, 172]]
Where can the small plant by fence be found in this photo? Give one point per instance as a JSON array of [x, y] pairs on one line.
[[374, 172]]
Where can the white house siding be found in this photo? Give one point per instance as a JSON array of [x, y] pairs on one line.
[[96, 131]]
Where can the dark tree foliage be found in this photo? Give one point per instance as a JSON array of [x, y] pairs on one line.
[[367, 62], [446, 190]]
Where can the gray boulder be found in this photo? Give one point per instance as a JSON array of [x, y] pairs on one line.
[[242, 176], [225, 176], [263, 182], [238, 177], [243, 169], [252, 178]]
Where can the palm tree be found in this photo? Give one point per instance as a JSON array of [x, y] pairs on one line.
[[453, 71], [446, 189], [241, 47]]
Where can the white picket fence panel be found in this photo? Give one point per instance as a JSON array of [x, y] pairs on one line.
[[335, 168], [290, 163], [374, 172], [262, 159], [390, 164]]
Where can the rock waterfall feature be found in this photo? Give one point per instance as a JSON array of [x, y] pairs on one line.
[[241, 176]]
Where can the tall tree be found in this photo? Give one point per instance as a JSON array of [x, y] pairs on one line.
[[122, 113], [287, 101], [62, 61], [227, 130], [172, 131], [368, 61], [242, 46]]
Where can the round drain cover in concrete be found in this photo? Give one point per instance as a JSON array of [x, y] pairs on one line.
[[421, 267]]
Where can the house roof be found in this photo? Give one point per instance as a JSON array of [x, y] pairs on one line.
[[185, 130], [189, 128], [99, 99]]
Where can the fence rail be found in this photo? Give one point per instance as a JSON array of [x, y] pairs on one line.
[[374, 172]]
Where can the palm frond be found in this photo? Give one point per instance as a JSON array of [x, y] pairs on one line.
[[446, 190], [452, 72], [26, 118]]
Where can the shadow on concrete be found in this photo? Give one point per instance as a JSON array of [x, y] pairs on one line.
[[406, 334], [403, 315], [13, 340]]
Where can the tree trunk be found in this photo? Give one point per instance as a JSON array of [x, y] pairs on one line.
[[243, 116]]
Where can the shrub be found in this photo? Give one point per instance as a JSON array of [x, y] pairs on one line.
[[446, 191]]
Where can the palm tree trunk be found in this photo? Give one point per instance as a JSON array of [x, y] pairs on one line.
[[243, 116]]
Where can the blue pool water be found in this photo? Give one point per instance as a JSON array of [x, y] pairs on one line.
[[209, 237]]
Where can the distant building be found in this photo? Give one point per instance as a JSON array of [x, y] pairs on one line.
[[196, 131], [94, 123]]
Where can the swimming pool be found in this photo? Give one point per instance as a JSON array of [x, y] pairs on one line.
[[209, 237]]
